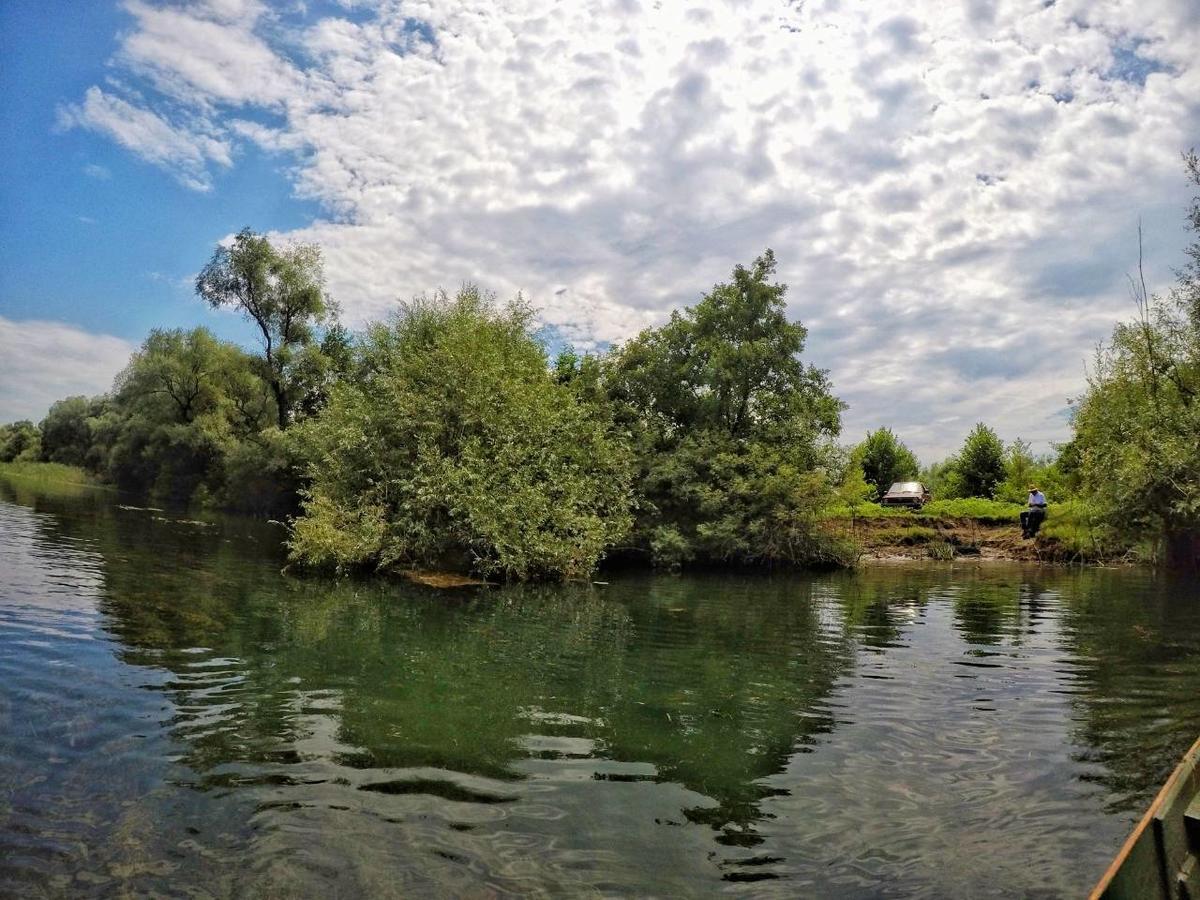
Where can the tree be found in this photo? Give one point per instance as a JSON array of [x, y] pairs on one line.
[[885, 460], [1137, 427], [282, 291], [731, 363], [20, 441], [178, 373], [67, 430], [453, 444], [192, 421], [979, 466], [733, 433]]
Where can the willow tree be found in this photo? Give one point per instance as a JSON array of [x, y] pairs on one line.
[[1137, 427], [281, 290]]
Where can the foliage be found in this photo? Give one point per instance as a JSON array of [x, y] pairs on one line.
[[184, 406], [1137, 427], [939, 478], [20, 441], [854, 493], [732, 432], [1078, 531], [454, 442], [1022, 469], [978, 468], [282, 291], [189, 420], [884, 460], [67, 430]]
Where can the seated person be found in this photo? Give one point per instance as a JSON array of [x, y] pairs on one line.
[[1032, 518]]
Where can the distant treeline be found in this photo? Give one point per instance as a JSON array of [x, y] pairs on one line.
[[448, 436]]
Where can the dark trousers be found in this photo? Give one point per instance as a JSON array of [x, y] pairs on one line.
[[1031, 520]]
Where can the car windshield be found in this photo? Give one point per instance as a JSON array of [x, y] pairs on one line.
[[906, 487]]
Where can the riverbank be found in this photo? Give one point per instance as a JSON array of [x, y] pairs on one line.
[[943, 530], [1066, 537]]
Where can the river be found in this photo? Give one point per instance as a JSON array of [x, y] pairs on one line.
[[179, 718]]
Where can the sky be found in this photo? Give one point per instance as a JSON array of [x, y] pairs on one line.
[[952, 189]]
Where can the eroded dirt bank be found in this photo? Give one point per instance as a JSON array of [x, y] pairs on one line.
[[919, 538]]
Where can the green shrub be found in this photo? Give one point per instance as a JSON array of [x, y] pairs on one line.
[[454, 445]]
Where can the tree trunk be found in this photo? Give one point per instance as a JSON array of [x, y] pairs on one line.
[[280, 403], [1183, 549]]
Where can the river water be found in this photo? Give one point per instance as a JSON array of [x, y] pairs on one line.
[[178, 718]]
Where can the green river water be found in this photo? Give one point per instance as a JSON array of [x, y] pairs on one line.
[[179, 719]]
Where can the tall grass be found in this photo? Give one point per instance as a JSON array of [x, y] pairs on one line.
[[49, 478]]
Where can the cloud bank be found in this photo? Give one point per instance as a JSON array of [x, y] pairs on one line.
[[952, 191], [41, 362]]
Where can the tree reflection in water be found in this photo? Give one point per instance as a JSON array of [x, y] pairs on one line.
[[718, 688]]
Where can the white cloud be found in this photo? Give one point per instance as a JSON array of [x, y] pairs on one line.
[[100, 173], [41, 362], [185, 151], [952, 193]]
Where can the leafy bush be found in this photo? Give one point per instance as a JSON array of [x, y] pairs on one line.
[[978, 468], [454, 445], [1080, 531]]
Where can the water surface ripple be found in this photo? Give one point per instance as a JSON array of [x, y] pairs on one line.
[[178, 718]]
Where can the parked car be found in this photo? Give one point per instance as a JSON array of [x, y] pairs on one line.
[[912, 494]]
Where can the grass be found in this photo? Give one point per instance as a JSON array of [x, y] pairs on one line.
[[49, 478], [940, 550], [989, 512], [865, 511]]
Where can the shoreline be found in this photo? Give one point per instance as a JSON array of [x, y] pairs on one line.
[[889, 541]]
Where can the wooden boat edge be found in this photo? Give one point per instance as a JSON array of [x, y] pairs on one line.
[[1190, 760]]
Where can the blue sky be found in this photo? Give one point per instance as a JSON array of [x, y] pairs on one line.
[[962, 181], [91, 234]]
